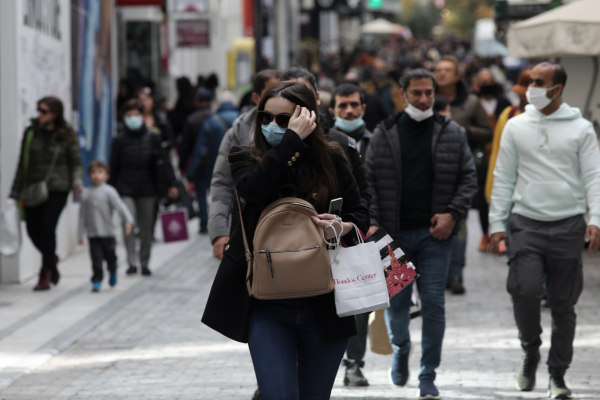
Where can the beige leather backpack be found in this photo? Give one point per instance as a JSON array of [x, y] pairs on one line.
[[290, 257]]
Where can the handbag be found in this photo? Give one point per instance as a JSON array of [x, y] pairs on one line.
[[37, 193], [359, 282], [290, 259]]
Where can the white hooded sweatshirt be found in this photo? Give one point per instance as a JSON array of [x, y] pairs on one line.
[[547, 166]]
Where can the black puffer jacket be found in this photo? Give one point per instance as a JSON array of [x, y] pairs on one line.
[[138, 164], [454, 182]]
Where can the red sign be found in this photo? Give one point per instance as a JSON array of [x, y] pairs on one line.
[[121, 3], [248, 13], [193, 33]]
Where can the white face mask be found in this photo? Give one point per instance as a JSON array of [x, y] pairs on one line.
[[538, 97], [417, 114]]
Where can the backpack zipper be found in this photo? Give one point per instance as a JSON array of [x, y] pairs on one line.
[[293, 203], [270, 261]]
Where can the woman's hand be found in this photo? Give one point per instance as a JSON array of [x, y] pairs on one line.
[[324, 221], [303, 122]]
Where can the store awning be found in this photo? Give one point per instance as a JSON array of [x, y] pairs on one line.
[[572, 30], [381, 26]]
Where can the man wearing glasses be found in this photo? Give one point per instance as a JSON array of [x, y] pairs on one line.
[[422, 178]]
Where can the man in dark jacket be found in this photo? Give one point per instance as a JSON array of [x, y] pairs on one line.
[[193, 125], [205, 154], [467, 112], [422, 179], [348, 108]]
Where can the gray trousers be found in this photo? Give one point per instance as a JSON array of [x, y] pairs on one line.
[[357, 347], [551, 250], [143, 210]]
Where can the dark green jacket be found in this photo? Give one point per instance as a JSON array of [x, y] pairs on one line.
[[67, 172]]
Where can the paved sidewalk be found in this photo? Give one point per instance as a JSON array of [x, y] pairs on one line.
[[147, 342]]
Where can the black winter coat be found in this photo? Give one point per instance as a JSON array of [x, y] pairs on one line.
[[228, 305], [454, 181], [139, 165]]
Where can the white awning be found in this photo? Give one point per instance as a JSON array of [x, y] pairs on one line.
[[572, 30], [381, 26]]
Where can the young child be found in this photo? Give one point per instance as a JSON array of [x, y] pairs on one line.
[[98, 204]]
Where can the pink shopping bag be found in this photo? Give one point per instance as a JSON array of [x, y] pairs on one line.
[[174, 225]]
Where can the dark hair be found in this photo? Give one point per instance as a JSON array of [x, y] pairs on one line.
[[453, 60], [346, 89], [212, 82], [300, 73], [64, 131], [185, 100], [260, 79], [133, 104], [315, 173], [418, 73], [97, 164], [560, 75], [441, 102]]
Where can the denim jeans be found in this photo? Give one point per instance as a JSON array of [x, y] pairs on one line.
[[432, 258], [290, 360], [202, 185], [457, 258]]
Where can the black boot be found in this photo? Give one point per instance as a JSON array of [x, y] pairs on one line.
[[526, 377], [457, 285], [43, 281], [54, 274], [146, 271]]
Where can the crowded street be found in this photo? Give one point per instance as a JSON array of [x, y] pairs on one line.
[[146, 341]]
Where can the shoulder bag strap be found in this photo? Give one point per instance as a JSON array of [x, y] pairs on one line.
[[221, 122], [53, 161]]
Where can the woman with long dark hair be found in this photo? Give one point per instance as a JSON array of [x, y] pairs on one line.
[[296, 344], [50, 154], [155, 120]]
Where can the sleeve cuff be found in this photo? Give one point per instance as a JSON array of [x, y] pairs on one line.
[[496, 227], [594, 221]]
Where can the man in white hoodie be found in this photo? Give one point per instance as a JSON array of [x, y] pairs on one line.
[[548, 165]]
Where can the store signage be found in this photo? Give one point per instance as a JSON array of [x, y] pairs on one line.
[[194, 6], [121, 3], [193, 33]]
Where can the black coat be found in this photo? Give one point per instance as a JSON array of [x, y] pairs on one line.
[[139, 165], [191, 130], [228, 305], [454, 180]]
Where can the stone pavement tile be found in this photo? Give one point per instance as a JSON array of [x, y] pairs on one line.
[[155, 347]]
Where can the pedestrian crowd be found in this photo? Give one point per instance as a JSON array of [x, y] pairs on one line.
[[411, 137]]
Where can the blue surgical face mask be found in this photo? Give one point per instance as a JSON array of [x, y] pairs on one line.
[[273, 133], [134, 122], [349, 125]]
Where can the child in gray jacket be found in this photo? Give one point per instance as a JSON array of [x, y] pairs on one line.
[[96, 220]]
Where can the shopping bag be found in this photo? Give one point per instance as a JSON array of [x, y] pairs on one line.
[[378, 335], [10, 228], [174, 225], [358, 281], [399, 272]]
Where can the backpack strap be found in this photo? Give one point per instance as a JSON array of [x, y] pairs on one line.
[[221, 122], [246, 247], [28, 139]]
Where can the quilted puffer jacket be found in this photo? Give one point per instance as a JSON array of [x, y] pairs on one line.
[[454, 182]]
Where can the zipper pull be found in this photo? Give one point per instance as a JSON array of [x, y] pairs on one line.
[[270, 263]]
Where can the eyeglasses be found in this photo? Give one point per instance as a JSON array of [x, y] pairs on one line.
[[42, 111], [265, 118]]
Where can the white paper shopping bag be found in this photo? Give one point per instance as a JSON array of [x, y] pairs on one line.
[[358, 279]]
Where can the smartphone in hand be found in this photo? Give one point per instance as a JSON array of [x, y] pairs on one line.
[[335, 206]]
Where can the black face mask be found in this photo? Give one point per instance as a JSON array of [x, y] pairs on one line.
[[489, 90]]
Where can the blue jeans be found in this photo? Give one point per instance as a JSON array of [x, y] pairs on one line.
[[290, 360], [457, 258], [432, 258], [202, 185]]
